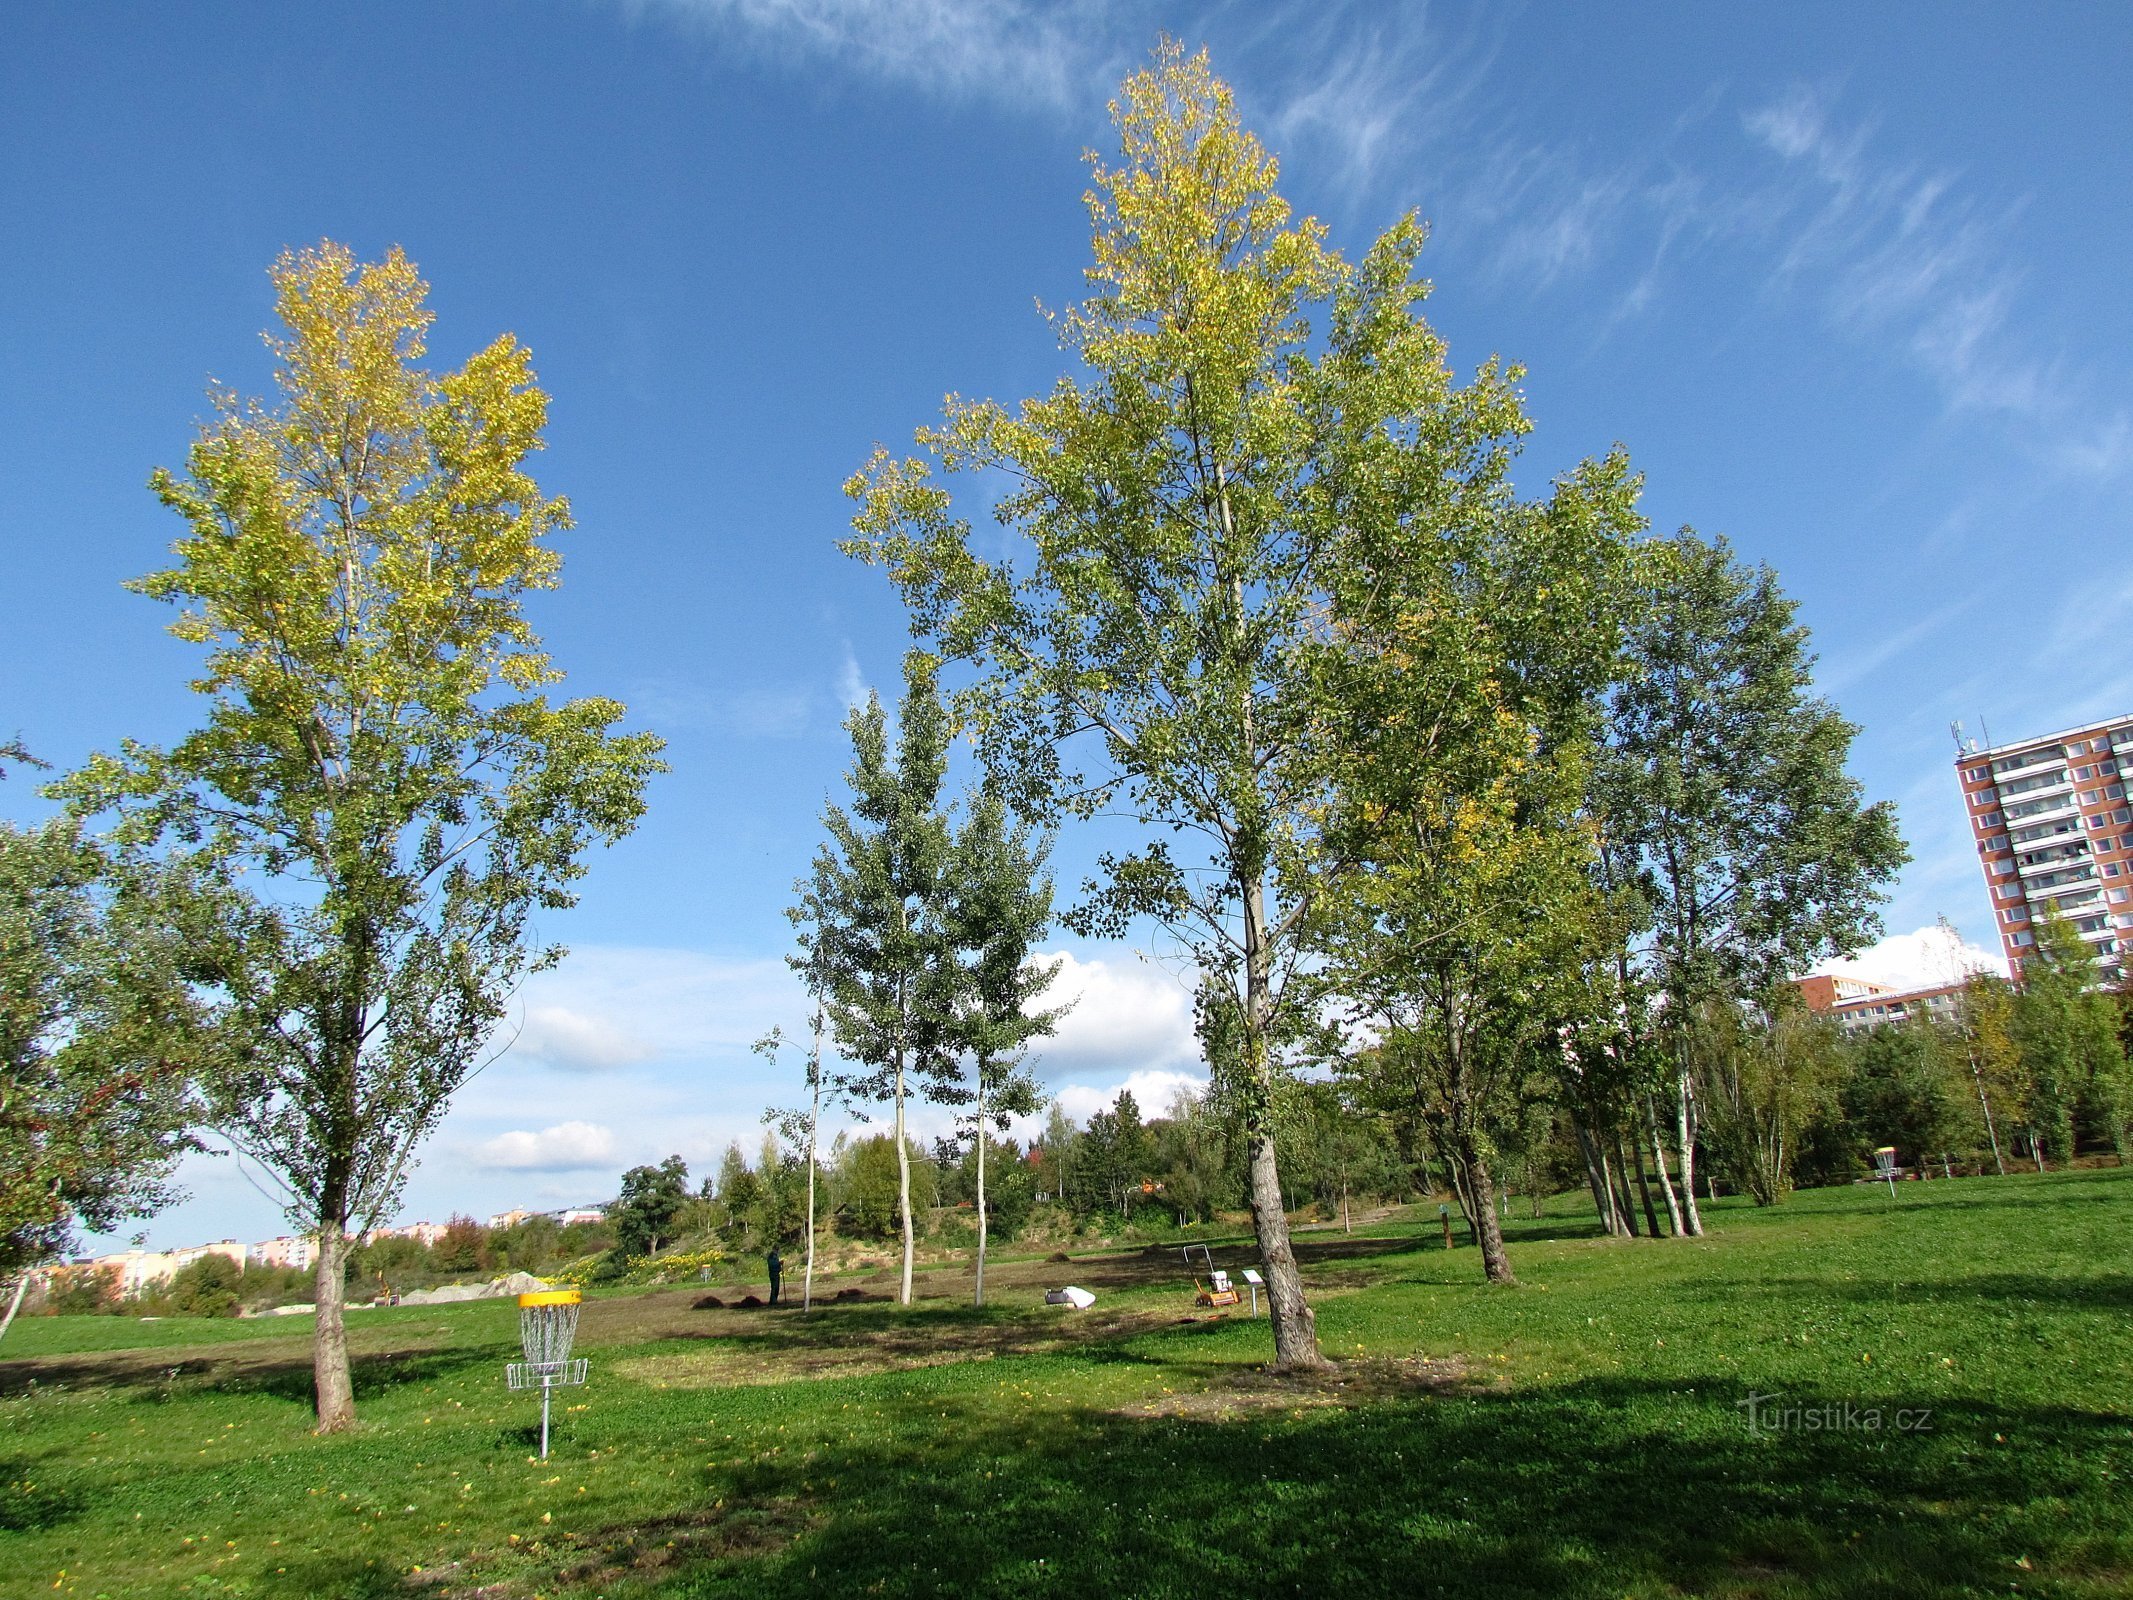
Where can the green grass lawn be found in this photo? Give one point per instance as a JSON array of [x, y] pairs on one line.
[[1581, 1435]]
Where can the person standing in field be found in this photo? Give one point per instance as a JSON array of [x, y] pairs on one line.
[[777, 1273]]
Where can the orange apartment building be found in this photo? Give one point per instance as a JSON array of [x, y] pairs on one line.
[[2052, 826], [1855, 1003]]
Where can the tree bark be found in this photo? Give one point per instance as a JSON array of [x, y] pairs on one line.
[[903, 1182], [14, 1304], [814, 1135], [979, 1299], [1595, 1180], [1692, 1223], [1628, 1200], [1984, 1101], [1644, 1188], [335, 1391], [1494, 1261], [1666, 1182], [1295, 1328]]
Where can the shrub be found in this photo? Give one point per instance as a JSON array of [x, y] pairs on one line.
[[208, 1287]]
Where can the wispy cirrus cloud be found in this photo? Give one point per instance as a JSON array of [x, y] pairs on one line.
[[1861, 665], [1026, 56], [749, 711], [1896, 250]]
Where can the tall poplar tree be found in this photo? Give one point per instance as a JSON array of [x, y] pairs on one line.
[[1184, 504], [1003, 905], [1724, 804], [877, 919], [383, 783]]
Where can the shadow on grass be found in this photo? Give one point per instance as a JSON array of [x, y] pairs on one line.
[[28, 1505], [1598, 1488], [232, 1369]]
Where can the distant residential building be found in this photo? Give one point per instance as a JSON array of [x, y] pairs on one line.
[[141, 1270], [2052, 826], [509, 1219], [1855, 1003], [290, 1250], [580, 1214]]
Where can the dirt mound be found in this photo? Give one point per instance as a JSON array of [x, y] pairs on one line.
[[707, 1302], [1059, 1255], [847, 1296], [748, 1300]]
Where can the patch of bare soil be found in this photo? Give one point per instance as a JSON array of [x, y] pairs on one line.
[[380, 1355], [726, 1348], [1242, 1391]]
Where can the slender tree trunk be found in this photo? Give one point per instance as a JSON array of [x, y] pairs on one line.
[[980, 1297], [1295, 1326], [903, 1182], [14, 1304], [335, 1391], [814, 1144], [1666, 1183], [1685, 1121], [1627, 1200], [1494, 1261], [1984, 1101], [1594, 1180], [1644, 1188]]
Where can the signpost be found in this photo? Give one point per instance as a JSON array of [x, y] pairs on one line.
[[1252, 1278]]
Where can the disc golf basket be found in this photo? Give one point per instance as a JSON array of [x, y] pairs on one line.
[[547, 1322], [1885, 1167]]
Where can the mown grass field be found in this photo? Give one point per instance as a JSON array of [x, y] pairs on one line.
[[1581, 1436]]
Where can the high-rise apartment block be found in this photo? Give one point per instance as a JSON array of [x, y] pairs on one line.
[[2053, 827]]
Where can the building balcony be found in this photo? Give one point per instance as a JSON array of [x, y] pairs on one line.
[[2049, 756], [2050, 809], [2053, 864], [2034, 788]]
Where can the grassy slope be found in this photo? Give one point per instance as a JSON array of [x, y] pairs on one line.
[[1582, 1436]]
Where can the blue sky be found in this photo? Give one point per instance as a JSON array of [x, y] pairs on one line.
[[1848, 282]]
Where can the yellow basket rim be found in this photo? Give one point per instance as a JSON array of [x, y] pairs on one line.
[[550, 1297]]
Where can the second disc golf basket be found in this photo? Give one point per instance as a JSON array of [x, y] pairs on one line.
[[547, 1322]]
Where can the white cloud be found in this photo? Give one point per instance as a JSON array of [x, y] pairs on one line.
[[1128, 1015], [1916, 960], [1915, 255], [1859, 665], [610, 1006], [1009, 51], [1153, 1092], [851, 682], [566, 1147], [562, 1037], [762, 711]]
